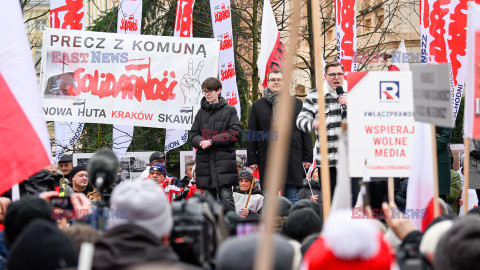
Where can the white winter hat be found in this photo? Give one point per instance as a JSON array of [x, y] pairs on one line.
[[146, 204]]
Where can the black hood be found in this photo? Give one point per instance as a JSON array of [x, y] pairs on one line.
[[213, 107], [130, 244]]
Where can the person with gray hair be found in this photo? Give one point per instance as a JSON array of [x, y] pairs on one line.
[[139, 231]]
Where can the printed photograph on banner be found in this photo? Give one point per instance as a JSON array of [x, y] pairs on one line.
[[108, 78], [188, 155], [381, 123], [132, 164]]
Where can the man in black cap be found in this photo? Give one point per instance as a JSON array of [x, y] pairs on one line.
[[155, 157], [65, 165]]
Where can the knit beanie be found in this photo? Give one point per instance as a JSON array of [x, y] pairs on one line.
[[238, 253], [302, 223], [77, 169], [42, 246], [146, 204], [21, 213], [459, 248]]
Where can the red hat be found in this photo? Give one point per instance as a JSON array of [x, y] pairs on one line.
[[349, 244]]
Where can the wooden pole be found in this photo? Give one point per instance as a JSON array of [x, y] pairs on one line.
[[322, 128], [278, 150], [391, 192], [436, 206], [250, 193], [466, 172]]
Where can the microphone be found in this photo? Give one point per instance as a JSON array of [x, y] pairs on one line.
[[340, 92], [103, 169]]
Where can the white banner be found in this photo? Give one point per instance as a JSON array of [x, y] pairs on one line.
[[129, 16], [124, 79], [129, 22], [222, 30], [346, 27], [380, 123], [67, 14]]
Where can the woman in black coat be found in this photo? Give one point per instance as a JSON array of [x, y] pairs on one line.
[[214, 132]]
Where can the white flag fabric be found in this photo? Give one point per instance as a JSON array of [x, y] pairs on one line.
[[129, 22], [129, 17], [342, 197], [443, 35], [346, 27], [420, 184], [67, 15], [183, 28], [398, 64], [24, 138], [271, 49], [222, 30]]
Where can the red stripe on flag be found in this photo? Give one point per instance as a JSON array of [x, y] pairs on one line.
[[429, 215], [275, 61], [354, 78], [22, 151]]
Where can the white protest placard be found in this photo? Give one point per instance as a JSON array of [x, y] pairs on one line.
[[432, 94], [109, 78], [380, 123]]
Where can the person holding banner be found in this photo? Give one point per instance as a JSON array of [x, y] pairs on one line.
[[334, 89], [264, 113], [214, 132]]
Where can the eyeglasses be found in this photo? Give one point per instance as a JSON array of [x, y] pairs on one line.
[[333, 75], [275, 80], [208, 92]]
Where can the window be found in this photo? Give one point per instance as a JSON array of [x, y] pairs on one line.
[[367, 26], [41, 24]]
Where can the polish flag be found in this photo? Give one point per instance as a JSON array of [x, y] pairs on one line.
[[271, 49], [397, 59], [420, 184], [24, 141]]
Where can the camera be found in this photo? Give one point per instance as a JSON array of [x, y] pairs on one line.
[[198, 229], [61, 202]]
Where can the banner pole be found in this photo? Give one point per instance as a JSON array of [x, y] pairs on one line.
[[466, 172], [436, 206], [322, 128], [391, 191], [278, 149]]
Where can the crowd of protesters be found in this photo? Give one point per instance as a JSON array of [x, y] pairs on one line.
[[137, 234]]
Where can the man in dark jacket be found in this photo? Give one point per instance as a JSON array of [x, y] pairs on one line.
[[214, 132], [263, 112]]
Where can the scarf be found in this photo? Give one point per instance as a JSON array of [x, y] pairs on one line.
[[272, 98]]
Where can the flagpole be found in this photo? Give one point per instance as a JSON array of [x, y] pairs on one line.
[[322, 128], [391, 192], [278, 150], [436, 206], [466, 172]]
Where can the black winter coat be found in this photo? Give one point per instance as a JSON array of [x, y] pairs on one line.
[[301, 148], [216, 165]]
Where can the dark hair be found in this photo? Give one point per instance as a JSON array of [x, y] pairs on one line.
[[275, 71], [212, 84], [332, 64]]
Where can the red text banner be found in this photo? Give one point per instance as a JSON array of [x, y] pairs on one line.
[[123, 79]]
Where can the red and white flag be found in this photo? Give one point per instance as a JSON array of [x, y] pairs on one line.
[[129, 21], [23, 138], [471, 125], [272, 50], [443, 35], [420, 183], [346, 26], [67, 14], [397, 59], [183, 28]]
